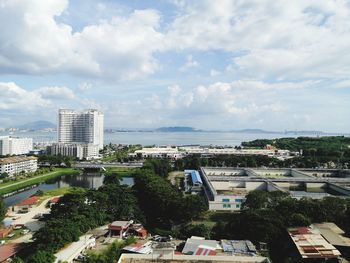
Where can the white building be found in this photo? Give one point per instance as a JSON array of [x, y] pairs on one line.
[[80, 127], [18, 164], [167, 152], [15, 145], [80, 151]]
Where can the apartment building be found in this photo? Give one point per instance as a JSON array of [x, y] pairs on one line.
[[84, 127], [18, 164], [15, 145], [80, 151]]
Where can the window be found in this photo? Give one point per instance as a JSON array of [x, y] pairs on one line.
[[238, 206], [225, 200], [238, 200], [226, 206]]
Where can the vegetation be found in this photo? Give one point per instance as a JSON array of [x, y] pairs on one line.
[[24, 182], [121, 171], [172, 207], [111, 253], [56, 160], [3, 210], [42, 256], [315, 151], [80, 211], [331, 143], [188, 230], [118, 153], [160, 167]]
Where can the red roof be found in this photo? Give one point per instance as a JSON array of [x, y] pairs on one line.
[[29, 201], [54, 200], [7, 251], [5, 230]]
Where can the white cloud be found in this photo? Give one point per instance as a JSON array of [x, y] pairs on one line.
[[190, 63], [18, 99], [214, 73], [34, 42], [58, 93], [283, 40], [14, 97]]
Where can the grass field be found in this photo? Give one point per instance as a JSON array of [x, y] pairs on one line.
[[121, 171], [13, 186]]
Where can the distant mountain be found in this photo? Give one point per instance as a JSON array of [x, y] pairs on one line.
[[177, 129], [37, 125]]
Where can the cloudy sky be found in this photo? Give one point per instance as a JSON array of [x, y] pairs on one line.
[[225, 64]]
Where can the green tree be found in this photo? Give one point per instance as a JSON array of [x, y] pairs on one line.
[[3, 209], [256, 199], [299, 220], [189, 230], [42, 256]]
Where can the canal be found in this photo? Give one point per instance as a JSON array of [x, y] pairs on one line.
[[92, 181]]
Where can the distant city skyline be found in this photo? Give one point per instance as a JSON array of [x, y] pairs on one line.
[[214, 65]]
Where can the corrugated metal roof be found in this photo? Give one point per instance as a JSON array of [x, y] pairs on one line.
[[195, 176]]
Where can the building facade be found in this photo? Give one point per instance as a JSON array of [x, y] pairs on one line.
[[80, 151], [15, 145], [18, 164], [80, 127]]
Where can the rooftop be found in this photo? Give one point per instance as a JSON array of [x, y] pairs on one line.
[[333, 234], [311, 244], [7, 251], [16, 159], [137, 258], [29, 201], [239, 247], [122, 224], [198, 246]]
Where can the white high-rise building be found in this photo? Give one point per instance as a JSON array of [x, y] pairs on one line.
[[80, 127], [15, 145]]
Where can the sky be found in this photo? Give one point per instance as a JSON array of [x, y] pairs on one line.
[[218, 65]]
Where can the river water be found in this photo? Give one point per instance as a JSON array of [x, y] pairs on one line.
[[83, 180]]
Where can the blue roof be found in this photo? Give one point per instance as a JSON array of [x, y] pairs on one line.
[[196, 178]]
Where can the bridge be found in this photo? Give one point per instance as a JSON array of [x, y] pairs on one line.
[[86, 165]]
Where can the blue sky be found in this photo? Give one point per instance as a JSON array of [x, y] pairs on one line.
[[227, 64]]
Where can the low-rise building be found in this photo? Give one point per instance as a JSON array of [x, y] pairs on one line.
[[226, 187], [167, 152], [80, 151], [312, 245], [26, 204], [118, 228], [15, 145], [8, 251], [193, 181], [177, 152], [18, 164]]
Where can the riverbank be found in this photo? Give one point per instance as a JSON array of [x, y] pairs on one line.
[[15, 186], [121, 171]]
